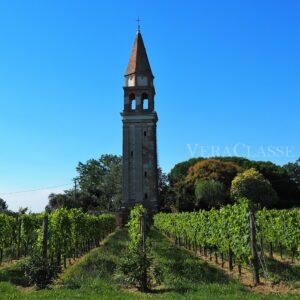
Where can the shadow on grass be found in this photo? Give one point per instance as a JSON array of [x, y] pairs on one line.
[[183, 271], [282, 271], [14, 274]]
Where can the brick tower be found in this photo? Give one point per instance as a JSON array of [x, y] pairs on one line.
[[140, 177]]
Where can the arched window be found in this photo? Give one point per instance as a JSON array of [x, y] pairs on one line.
[[132, 101], [145, 101]]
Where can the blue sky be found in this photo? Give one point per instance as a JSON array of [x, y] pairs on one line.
[[227, 77]]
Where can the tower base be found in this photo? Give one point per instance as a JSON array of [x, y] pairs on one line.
[[122, 217]]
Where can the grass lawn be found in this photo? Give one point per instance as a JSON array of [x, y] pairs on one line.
[[184, 277]]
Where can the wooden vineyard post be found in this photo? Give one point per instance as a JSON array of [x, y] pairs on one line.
[[230, 260], [143, 232], [222, 259], [253, 246], [240, 268], [45, 237], [18, 224], [271, 250]]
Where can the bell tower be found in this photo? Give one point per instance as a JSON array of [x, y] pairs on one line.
[[140, 177]]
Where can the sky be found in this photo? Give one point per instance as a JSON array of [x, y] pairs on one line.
[[227, 78]]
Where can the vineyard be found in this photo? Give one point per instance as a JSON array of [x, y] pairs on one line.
[[141, 257], [225, 234], [61, 235]]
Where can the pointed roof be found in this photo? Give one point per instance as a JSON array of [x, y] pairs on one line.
[[138, 62]]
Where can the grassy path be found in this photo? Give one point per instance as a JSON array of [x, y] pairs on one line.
[[185, 277]]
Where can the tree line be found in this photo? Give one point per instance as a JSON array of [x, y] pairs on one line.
[[197, 183], [204, 183]]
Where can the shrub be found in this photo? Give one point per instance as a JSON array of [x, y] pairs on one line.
[[39, 271], [253, 186], [136, 267]]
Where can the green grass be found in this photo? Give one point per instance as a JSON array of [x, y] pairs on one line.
[[184, 277]]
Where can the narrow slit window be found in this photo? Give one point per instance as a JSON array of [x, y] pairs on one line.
[[145, 174], [133, 104], [145, 104], [145, 101], [131, 153], [146, 196], [145, 133]]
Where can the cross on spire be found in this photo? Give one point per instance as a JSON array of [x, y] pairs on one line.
[[138, 20]]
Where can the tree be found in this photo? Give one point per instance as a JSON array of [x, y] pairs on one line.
[[252, 185], [282, 179], [3, 205], [180, 170], [57, 200], [165, 194], [100, 185], [212, 169], [184, 176], [211, 193], [102, 179], [68, 200], [281, 182], [293, 170]]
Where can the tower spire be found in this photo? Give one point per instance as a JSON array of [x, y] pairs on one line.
[[138, 62]]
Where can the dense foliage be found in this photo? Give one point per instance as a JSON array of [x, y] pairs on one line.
[[212, 193], [293, 170], [101, 179], [279, 230], [99, 186], [183, 178], [212, 169], [39, 271], [3, 205], [99, 183], [137, 267], [135, 264], [6, 236], [252, 185]]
